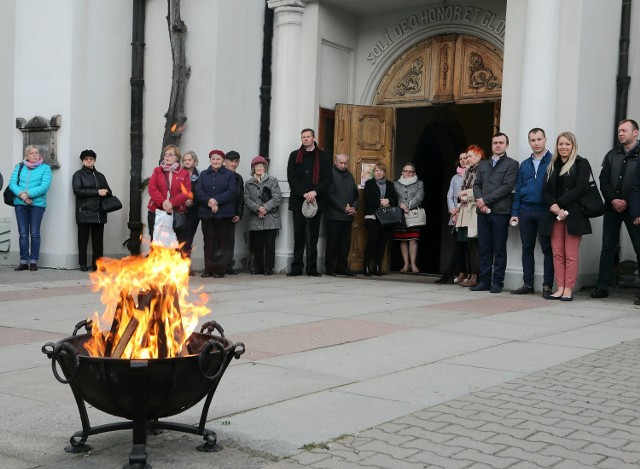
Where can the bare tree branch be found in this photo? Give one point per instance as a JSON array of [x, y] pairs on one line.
[[175, 116]]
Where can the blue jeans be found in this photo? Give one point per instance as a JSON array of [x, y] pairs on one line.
[[611, 225], [530, 223], [29, 220]]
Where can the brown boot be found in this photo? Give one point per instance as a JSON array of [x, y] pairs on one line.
[[472, 281]]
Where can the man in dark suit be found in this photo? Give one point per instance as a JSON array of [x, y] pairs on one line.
[[309, 175], [493, 191]]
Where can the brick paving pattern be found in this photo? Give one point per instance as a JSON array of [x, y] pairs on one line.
[[583, 413]]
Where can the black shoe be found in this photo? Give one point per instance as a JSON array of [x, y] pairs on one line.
[[523, 290], [22, 267], [232, 272], [191, 273], [206, 274], [84, 268], [218, 275], [566, 298], [314, 273], [268, 272], [546, 292], [347, 273], [599, 293], [257, 272], [366, 271], [294, 273], [377, 271], [480, 287], [330, 273], [445, 279], [496, 288], [33, 267]]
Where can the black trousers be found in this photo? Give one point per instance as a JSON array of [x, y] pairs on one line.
[[263, 250], [306, 232], [217, 232], [96, 231], [493, 231], [338, 245], [377, 237], [190, 232]]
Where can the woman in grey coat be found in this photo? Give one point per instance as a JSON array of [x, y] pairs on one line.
[[410, 192], [262, 197]]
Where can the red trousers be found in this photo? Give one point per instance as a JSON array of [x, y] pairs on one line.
[[565, 249]]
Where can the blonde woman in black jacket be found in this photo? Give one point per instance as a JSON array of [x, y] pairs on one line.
[[378, 192], [567, 183]]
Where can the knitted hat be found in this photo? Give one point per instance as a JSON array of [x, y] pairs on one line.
[[86, 153], [309, 209]]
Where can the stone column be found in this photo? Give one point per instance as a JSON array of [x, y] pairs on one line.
[[539, 71], [285, 110]]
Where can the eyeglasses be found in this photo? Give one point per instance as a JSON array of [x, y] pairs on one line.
[[411, 171], [169, 154]]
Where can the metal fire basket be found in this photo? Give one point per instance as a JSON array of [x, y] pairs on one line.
[[143, 391]]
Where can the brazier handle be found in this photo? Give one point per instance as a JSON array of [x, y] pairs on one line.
[[237, 353], [53, 351], [210, 326], [86, 323], [203, 356]]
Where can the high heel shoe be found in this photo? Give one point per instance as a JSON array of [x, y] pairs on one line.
[[460, 278]]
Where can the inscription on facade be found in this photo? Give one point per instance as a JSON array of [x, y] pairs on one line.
[[441, 14]]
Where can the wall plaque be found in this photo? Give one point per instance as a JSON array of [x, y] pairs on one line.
[[42, 133]]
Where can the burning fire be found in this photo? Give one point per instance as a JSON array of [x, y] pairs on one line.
[[146, 304]]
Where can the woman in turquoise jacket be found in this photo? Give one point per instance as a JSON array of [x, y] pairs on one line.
[[29, 183]]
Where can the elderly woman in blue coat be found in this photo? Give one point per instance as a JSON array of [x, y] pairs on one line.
[[29, 184], [216, 192]]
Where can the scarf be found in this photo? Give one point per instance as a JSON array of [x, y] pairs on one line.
[[460, 171], [408, 181], [30, 165], [470, 176], [382, 185], [170, 167], [316, 164]]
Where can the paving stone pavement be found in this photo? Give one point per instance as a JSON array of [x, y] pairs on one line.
[[583, 413]]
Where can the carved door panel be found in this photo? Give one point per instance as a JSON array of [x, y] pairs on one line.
[[366, 134]]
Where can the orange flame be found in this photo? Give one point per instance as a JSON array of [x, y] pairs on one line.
[[185, 191], [174, 127], [148, 312]]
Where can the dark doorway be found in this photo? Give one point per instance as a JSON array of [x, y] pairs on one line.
[[432, 138]]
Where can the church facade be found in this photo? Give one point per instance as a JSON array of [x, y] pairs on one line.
[[409, 80]]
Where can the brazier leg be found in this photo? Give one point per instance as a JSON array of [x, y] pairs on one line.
[[78, 439], [138, 454]]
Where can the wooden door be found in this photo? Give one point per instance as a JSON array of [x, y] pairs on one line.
[[366, 134]]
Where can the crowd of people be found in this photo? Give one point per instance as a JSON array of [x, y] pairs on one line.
[[544, 196]]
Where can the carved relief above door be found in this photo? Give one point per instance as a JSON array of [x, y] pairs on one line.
[[451, 68]]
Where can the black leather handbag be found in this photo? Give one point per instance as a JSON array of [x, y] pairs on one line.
[[7, 195], [388, 216], [110, 204]]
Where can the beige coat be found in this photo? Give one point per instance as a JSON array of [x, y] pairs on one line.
[[467, 216]]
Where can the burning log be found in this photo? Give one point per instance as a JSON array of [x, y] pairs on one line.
[[125, 338], [125, 304]]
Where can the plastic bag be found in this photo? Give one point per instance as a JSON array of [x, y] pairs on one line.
[[163, 230]]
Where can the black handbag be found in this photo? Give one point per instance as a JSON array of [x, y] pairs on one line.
[[179, 222], [592, 202], [110, 204], [266, 195], [7, 194], [388, 216]]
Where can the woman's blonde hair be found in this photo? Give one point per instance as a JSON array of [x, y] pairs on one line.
[[566, 167], [175, 149]]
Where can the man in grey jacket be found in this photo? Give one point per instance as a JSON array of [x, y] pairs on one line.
[[339, 214], [493, 191]]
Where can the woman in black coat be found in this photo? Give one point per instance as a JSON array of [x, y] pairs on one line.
[[567, 183], [378, 192], [89, 186]]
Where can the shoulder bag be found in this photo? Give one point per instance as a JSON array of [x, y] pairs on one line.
[[7, 194], [388, 216], [592, 203]]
